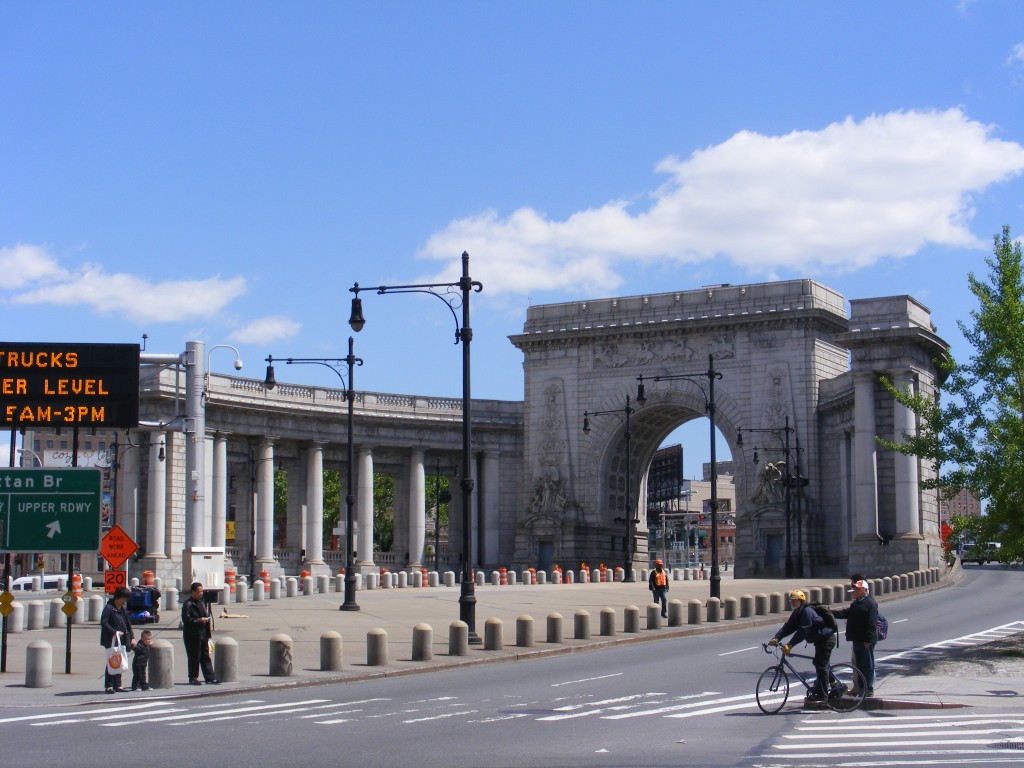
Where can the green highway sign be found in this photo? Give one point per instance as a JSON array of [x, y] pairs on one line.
[[50, 510]]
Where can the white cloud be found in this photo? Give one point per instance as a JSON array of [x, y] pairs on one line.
[[21, 265], [838, 199], [266, 329], [1016, 55], [120, 293]]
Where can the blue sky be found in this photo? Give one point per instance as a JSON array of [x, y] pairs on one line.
[[224, 172]]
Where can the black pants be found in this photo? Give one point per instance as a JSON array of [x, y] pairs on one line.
[[197, 649], [822, 654]]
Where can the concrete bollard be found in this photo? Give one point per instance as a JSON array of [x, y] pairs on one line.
[[16, 618], [554, 628], [259, 591], [169, 599], [280, 655], [693, 609], [631, 619], [675, 613], [225, 658], [746, 606], [331, 652], [81, 612], [339, 582], [654, 616], [542, 577], [224, 596], [479, 578], [56, 614], [275, 589], [422, 642], [826, 595], [904, 585], [729, 606], [449, 578], [895, 582], [583, 576], [512, 578], [714, 609], [36, 615], [87, 583], [839, 593], [493, 640], [417, 579], [376, 647], [686, 574], [606, 622], [372, 580], [595, 575], [433, 579], [161, 665], [524, 631], [760, 604], [386, 580], [458, 638], [403, 580], [307, 586], [323, 583], [241, 592], [495, 579], [291, 587], [39, 664], [775, 602], [886, 585], [527, 577], [581, 625]]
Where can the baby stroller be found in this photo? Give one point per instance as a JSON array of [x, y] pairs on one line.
[[144, 605]]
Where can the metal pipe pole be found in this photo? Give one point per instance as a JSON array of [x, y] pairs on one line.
[[350, 603], [630, 502], [716, 579], [467, 596], [789, 516]]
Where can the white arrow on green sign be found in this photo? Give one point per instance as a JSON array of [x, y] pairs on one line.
[[50, 510]]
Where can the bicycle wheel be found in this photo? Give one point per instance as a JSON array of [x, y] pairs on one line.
[[772, 689], [854, 688]]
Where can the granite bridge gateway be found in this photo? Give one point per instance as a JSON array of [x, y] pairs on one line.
[[793, 363]]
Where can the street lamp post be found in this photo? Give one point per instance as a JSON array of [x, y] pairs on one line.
[[351, 361], [629, 517], [709, 403], [788, 484], [452, 295]]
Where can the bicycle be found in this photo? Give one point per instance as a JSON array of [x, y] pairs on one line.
[[847, 687]]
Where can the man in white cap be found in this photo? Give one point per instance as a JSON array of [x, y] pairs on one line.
[[862, 630]]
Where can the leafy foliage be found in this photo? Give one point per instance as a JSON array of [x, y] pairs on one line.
[[978, 431]]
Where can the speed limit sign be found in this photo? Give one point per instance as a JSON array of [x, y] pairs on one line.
[[114, 579]]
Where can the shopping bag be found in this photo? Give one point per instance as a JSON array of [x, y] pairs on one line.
[[117, 657]]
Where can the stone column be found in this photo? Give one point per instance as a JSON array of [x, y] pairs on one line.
[[417, 508], [207, 508], [126, 500], [156, 497], [490, 500], [364, 510], [219, 513], [315, 508], [908, 512], [865, 493], [265, 505]]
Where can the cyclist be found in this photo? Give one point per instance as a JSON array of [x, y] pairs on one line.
[[804, 623]]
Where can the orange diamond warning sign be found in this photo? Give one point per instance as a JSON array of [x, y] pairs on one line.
[[117, 546]]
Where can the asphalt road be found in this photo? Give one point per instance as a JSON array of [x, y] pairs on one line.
[[685, 701]]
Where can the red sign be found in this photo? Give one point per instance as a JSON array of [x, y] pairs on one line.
[[114, 579], [117, 546]]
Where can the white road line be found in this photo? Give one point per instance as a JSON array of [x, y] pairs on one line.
[[206, 715], [440, 717], [971, 720], [586, 680], [26, 718], [705, 705], [830, 759], [118, 716], [903, 734], [909, 743], [741, 650]]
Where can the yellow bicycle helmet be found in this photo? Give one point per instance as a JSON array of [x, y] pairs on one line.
[[798, 594]]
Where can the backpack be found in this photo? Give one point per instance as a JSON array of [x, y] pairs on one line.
[[827, 617], [881, 627]]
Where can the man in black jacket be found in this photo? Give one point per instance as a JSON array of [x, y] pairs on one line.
[[804, 623], [196, 631], [862, 631]]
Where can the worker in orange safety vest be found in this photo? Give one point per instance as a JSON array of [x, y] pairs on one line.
[[658, 584]]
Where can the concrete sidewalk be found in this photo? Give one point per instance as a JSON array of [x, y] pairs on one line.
[[306, 618]]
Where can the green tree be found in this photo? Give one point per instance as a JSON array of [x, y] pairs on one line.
[[333, 501], [975, 436], [383, 512], [281, 506]]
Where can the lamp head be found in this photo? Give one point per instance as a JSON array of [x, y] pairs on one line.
[[238, 363], [269, 382], [356, 319], [641, 394], [586, 424]]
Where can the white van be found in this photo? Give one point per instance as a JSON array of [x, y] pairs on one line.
[[24, 583]]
